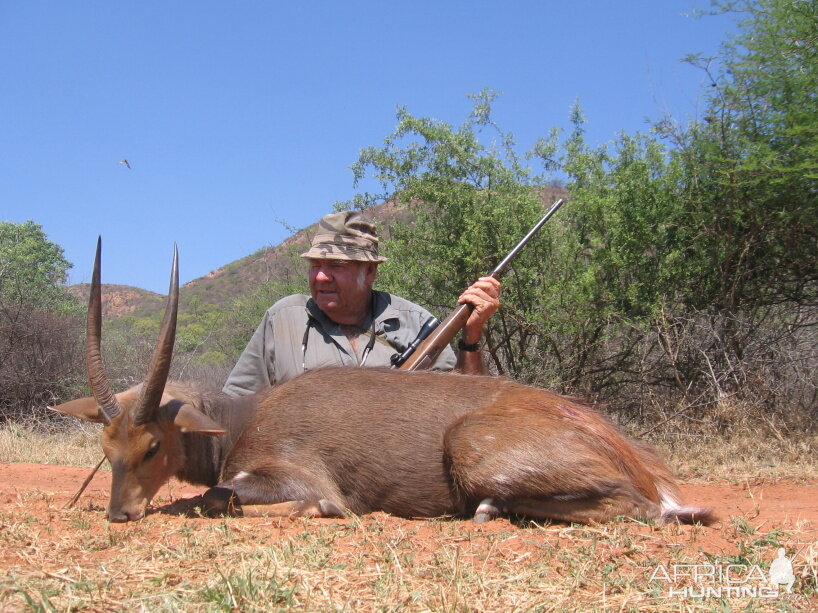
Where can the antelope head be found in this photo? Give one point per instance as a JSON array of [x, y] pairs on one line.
[[142, 426]]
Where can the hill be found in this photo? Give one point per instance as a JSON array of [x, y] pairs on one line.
[[119, 300], [224, 284], [232, 280]]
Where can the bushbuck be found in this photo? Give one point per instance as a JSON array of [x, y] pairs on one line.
[[356, 440]]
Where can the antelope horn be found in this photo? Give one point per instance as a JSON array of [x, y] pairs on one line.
[[160, 364], [108, 406]]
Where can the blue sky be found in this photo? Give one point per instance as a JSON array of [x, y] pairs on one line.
[[234, 115]]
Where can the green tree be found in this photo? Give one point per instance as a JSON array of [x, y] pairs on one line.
[[748, 217], [468, 197], [618, 259], [32, 268], [684, 265], [40, 322], [751, 165]]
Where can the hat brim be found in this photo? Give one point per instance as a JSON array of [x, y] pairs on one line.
[[350, 255]]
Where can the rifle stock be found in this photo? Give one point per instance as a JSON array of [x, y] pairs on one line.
[[427, 351]]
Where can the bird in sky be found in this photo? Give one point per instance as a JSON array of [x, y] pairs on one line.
[[126, 163]]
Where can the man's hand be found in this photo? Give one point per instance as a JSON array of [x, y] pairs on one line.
[[484, 296]]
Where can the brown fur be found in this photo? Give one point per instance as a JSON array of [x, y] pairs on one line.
[[413, 444]]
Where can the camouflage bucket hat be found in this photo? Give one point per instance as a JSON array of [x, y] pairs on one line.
[[345, 236]]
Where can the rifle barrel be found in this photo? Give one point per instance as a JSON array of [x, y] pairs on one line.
[[424, 354], [501, 267]]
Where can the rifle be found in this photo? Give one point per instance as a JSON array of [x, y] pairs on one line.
[[434, 336]]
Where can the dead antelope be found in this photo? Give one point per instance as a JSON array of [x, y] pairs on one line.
[[352, 440]]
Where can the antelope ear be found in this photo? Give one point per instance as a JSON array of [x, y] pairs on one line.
[[84, 408], [189, 419]]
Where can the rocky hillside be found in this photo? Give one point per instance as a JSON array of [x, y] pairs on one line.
[[119, 300], [236, 278], [222, 285]]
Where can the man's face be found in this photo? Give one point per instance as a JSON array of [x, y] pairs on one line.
[[342, 288]]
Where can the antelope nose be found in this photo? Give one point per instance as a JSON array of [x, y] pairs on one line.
[[120, 517]]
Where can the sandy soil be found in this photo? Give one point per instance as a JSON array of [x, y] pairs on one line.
[[49, 550], [763, 506]]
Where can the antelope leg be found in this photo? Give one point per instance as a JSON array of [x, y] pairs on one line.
[[292, 508], [584, 510]]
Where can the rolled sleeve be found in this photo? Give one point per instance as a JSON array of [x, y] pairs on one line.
[[253, 369]]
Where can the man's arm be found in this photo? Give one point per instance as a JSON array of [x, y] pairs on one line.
[[251, 371], [484, 297]]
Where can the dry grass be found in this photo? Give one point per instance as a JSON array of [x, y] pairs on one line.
[[73, 560], [736, 456], [742, 457], [375, 563], [77, 446], [732, 441]]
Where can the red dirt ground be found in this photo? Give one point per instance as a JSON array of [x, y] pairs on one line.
[[764, 506], [754, 515]]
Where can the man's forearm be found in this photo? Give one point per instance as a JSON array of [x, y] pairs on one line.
[[470, 362]]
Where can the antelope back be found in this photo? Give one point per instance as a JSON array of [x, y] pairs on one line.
[[373, 436], [380, 439], [533, 443]]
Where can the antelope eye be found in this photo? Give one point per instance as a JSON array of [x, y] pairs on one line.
[[152, 451]]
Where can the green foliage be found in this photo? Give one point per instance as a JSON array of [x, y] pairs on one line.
[[751, 166], [32, 268], [195, 326], [624, 243], [244, 313], [684, 263], [682, 270], [582, 296], [39, 321], [469, 203], [210, 336]]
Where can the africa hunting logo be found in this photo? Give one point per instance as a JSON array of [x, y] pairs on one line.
[[703, 581]]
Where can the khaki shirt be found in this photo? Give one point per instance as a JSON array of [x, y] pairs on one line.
[[282, 347]]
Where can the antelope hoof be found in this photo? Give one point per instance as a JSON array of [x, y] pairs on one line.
[[486, 511], [330, 509], [218, 501]]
